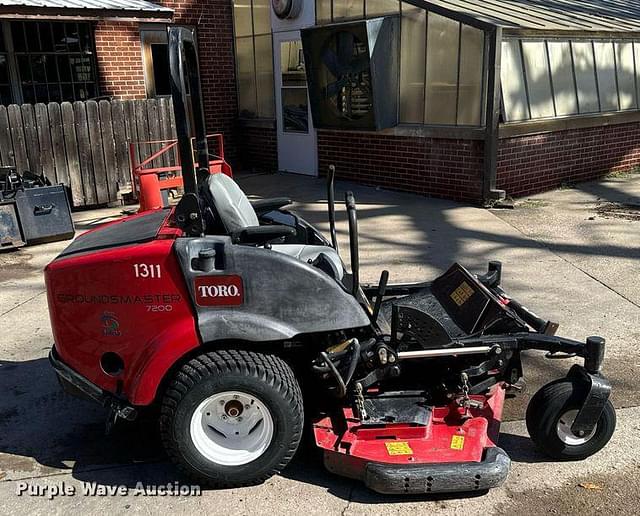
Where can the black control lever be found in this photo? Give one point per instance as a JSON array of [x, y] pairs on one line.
[[382, 288], [332, 206], [353, 241]]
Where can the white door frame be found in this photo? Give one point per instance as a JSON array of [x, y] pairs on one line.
[[297, 149]]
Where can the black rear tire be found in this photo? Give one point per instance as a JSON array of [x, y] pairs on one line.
[[264, 377], [550, 406]]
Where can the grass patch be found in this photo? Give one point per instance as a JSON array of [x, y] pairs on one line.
[[532, 203]]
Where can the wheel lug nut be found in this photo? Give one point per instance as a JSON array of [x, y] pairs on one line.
[[224, 417], [240, 418], [221, 402]]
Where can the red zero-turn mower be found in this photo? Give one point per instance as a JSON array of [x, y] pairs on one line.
[[238, 319]]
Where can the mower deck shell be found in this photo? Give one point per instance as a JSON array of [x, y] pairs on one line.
[[453, 452]]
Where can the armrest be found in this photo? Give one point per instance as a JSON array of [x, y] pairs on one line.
[[262, 234], [263, 206]]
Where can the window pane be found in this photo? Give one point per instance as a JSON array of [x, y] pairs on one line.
[[67, 92], [73, 38], [17, 34], [292, 64], [381, 7], [28, 95], [605, 71], [46, 37], [50, 66], [84, 34], [24, 69], [242, 17], [295, 113], [538, 82], [348, 9], [54, 93], [81, 92], [64, 68], [160, 60], [564, 88], [246, 77], [625, 69], [514, 93], [81, 68], [2, 47], [442, 69], [31, 33], [42, 93], [585, 77], [323, 11], [37, 68], [636, 47], [4, 69], [5, 95], [471, 69], [261, 16], [59, 38], [412, 64], [264, 70]]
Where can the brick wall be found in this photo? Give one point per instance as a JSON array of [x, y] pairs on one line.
[[444, 168], [258, 149], [531, 164], [119, 57], [213, 20], [119, 60]]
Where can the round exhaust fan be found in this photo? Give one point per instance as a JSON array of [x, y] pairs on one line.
[[287, 9]]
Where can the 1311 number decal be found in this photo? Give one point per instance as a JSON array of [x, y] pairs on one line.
[[144, 270]]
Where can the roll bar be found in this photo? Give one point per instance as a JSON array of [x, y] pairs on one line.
[[183, 54]]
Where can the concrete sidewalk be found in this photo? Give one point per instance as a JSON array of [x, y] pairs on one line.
[[561, 268]]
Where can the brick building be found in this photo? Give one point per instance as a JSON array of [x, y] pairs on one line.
[[514, 95]]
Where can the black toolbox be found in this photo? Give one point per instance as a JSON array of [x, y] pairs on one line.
[[44, 214]]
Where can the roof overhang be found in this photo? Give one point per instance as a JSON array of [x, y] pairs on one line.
[[563, 17], [97, 10]]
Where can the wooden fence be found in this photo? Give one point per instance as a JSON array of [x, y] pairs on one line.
[[85, 145]]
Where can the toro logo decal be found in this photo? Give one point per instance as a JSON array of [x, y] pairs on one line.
[[219, 291]]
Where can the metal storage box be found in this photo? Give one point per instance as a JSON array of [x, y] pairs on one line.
[[44, 214]]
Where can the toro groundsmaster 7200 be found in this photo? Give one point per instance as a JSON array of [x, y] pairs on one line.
[[240, 321]]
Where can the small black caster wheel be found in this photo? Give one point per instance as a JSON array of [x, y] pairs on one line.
[[552, 411]]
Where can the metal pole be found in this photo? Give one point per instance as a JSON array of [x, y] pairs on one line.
[[491, 140]]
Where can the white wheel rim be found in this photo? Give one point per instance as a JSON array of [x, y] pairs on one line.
[[564, 430], [232, 428]]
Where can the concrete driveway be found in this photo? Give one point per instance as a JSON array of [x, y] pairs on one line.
[[571, 255]]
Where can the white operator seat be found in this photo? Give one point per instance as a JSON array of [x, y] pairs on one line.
[[237, 213]]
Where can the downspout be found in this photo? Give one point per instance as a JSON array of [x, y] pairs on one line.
[[490, 193]]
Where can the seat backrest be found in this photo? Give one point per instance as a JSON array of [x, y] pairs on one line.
[[231, 204]]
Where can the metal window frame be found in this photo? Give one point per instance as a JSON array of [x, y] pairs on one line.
[[17, 85], [253, 36]]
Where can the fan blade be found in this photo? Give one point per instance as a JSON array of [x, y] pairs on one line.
[[334, 88], [344, 42], [330, 60]]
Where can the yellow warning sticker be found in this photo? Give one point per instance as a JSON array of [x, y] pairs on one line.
[[398, 448], [457, 442], [462, 294]]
